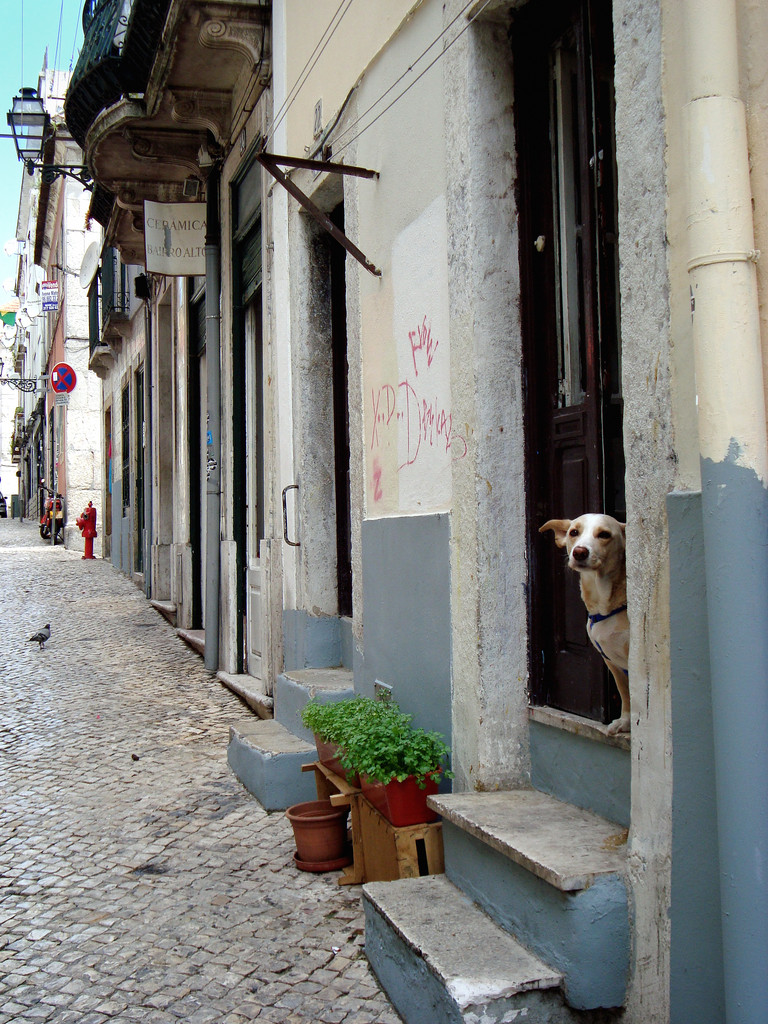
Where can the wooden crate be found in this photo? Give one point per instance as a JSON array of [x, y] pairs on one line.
[[390, 852], [381, 851]]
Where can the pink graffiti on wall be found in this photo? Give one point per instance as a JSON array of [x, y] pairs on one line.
[[422, 341], [412, 406]]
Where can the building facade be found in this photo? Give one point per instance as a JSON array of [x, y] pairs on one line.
[[55, 445], [466, 268]]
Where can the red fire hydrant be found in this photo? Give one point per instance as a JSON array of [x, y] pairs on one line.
[[86, 523]]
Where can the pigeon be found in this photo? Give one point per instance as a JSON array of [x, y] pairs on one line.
[[41, 636]]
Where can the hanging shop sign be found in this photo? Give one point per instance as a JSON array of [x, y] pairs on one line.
[[174, 238], [49, 292]]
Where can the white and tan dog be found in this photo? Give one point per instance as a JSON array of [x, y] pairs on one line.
[[597, 552]]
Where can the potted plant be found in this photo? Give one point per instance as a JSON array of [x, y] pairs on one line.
[[332, 722], [399, 765]]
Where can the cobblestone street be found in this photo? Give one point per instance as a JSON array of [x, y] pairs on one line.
[[139, 881]]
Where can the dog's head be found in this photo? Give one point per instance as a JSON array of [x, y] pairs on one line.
[[594, 542]]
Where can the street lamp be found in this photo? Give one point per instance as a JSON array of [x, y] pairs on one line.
[[31, 126]]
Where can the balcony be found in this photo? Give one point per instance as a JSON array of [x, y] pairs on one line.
[[108, 312], [161, 89]]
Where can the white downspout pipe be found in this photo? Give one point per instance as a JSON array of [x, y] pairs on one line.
[[734, 471]]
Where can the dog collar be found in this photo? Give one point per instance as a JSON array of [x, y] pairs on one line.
[[600, 618]]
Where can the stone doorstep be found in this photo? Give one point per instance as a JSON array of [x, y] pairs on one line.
[[475, 960], [194, 638], [166, 609], [568, 847], [251, 690], [271, 739], [320, 680], [295, 688], [267, 760]]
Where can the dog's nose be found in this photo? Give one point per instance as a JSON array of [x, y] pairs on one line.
[[580, 554]]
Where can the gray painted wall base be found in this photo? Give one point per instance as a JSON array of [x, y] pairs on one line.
[[584, 934], [267, 759], [581, 771], [312, 641], [406, 597], [696, 954]]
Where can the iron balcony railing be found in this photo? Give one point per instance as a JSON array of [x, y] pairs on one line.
[[109, 297], [121, 41]]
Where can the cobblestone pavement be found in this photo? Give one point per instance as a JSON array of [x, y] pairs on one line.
[[139, 881]]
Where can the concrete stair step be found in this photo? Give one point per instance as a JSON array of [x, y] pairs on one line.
[[295, 688], [551, 874], [250, 690], [267, 759], [440, 958]]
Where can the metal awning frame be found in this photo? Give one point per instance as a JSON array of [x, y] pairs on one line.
[[272, 163]]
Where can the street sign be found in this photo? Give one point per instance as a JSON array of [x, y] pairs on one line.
[[50, 295], [61, 399], [63, 378]]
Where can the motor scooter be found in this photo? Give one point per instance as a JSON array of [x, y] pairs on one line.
[[48, 513]]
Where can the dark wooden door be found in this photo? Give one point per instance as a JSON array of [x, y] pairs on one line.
[[340, 373], [563, 57]]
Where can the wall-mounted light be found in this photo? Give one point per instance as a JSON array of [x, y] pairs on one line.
[[31, 126]]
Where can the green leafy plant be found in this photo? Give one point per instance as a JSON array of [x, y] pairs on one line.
[[378, 740], [334, 721]]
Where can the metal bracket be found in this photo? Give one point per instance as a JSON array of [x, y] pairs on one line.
[[270, 162]]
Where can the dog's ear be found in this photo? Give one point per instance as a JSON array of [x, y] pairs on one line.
[[560, 529]]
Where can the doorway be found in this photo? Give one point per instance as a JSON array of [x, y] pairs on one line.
[[107, 515], [140, 454], [249, 448], [340, 382], [198, 407], [563, 59]]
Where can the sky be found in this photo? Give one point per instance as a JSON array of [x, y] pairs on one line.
[[29, 27]]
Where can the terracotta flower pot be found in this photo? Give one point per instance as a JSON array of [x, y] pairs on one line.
[[320, 831], [328, 754], [401, 803]]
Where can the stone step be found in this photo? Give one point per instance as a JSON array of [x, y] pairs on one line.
[[267, 759], [166, 609], [565, 845], [250, 690], [552, 875], [194, 638], [295, 688], [440, 958]]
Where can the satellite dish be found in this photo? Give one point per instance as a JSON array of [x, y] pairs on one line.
[[90, 264]]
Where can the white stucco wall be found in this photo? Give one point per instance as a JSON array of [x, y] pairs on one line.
[[326, 56]]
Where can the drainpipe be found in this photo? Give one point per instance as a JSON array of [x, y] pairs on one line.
[[734, 477], [213, 460]]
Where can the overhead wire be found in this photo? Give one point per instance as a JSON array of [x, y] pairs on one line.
[[308, 67], [421, 74], [407, 71], [74, 44], [58, 37]]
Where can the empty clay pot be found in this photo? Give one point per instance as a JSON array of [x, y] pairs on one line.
[[320, 831]]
